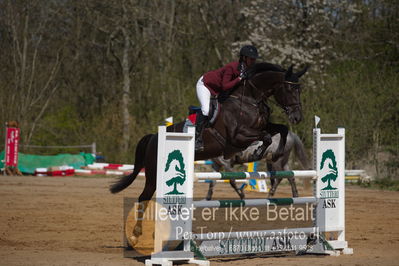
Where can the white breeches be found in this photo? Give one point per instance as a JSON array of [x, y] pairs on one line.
[[204, 97]]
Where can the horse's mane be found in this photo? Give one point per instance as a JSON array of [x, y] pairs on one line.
[[262, 67], [251, 71]]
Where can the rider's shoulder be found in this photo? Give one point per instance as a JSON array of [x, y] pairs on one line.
[[233, 65]]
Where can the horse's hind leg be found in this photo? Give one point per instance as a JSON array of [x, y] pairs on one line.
[[240, 192], [274, 181], [291, 180], [217, 165], [277, 181], [293, 187], [210, 190]]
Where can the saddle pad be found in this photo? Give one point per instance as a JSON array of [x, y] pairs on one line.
[[214, 110]]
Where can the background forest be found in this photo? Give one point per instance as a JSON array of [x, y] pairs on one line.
[[81, 71]]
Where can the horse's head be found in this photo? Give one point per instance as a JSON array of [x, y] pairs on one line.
[[271, 79], [287, 94]]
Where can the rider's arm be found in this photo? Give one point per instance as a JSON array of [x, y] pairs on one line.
[[230, 78]]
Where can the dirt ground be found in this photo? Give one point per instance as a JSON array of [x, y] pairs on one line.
[[76, 221]]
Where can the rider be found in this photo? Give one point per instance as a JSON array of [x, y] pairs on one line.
[[222, 79]]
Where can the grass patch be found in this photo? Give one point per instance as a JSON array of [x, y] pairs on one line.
[[384, 183]]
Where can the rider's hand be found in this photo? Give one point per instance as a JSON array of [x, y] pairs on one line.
[[243, 75]]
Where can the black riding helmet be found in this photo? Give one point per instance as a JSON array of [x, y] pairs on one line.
[[249, 51]]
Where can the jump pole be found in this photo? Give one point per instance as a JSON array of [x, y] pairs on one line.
[[175, 206]]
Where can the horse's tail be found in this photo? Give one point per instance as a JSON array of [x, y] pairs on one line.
[[300, 151], [125, 181]]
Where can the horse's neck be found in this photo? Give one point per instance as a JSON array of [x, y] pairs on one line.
[[246, 93], [251, 93], [264, 84], [261, 86]]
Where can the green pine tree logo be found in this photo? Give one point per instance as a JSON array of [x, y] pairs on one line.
[[180, 176], [333, 172]]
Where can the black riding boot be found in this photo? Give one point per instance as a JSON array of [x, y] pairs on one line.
[[199, 127]]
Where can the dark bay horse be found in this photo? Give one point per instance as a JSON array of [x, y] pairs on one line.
[[293, 143], [242, 120]]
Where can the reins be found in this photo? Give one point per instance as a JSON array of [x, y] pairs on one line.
[[284, 107], [262, 98]]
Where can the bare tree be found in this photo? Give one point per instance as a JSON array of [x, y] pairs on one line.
[[34, 63]]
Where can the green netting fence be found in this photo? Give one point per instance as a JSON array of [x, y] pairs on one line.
[[27, 163]]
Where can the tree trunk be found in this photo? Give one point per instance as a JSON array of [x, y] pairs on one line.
[[125, 94]]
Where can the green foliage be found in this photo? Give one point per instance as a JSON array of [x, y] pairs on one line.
[[60, 127], [386, 183]]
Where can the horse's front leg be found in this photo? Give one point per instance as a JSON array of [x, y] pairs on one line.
[[274, 129], [260, 151], [244, 137]]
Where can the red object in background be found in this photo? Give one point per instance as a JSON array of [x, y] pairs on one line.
[[193, 118], [113, 166], [69, 172], [12, 141], [56, 173]]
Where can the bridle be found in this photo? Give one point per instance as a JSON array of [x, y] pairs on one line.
[[295, 106], [286, 108]]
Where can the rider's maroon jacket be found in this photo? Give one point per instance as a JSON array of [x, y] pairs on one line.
[[222, 79]]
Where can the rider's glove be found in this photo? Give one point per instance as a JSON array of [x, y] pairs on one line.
[[243, 74]]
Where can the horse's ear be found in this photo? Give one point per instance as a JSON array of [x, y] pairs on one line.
[[303, 71], [289, 71]]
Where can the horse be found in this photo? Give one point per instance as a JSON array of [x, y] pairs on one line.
[[243, 119], [293, 141]]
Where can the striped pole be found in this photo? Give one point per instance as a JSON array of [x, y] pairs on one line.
[[253, 202], [255, 175], [221, 181], [207, 162]]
